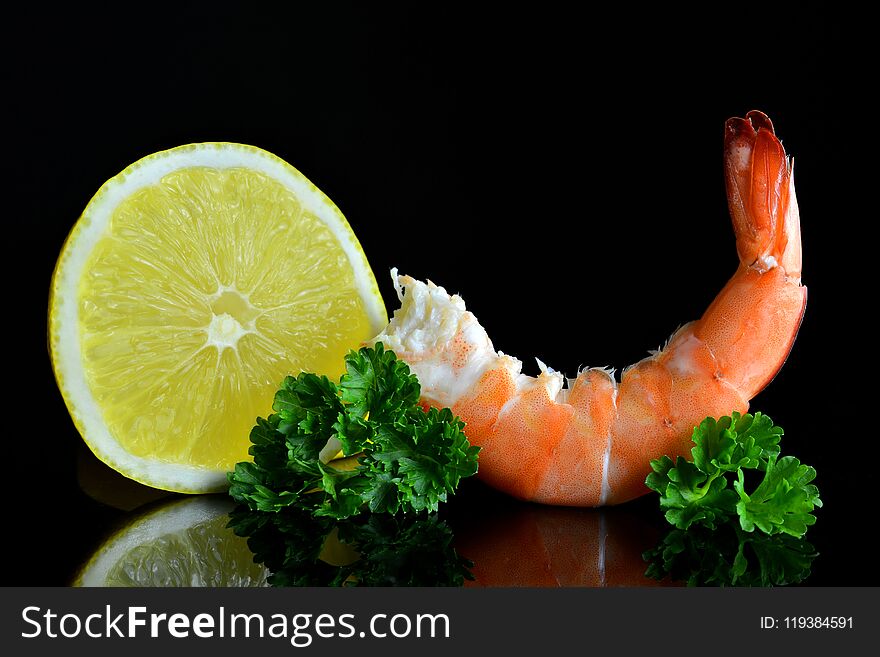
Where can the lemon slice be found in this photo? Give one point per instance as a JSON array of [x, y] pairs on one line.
[[182, 543], [193, 283]]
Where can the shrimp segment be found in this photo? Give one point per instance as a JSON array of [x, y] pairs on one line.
[[590, 443]]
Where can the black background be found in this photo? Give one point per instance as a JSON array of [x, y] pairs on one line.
[[561, 171]]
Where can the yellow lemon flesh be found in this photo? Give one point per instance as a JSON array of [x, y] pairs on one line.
[[193, 283]]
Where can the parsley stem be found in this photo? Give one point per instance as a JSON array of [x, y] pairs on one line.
[[702, 490]]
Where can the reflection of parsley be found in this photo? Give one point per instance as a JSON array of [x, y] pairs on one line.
[[728, 556], [409, 459], [698, 491], [403, 550]]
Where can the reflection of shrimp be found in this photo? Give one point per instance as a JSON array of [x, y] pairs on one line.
[[529, 545], [590, 444]]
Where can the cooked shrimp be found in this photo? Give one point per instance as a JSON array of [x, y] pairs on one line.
[[590, 443]]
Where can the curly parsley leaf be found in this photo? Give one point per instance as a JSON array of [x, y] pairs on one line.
[[403, 457], [783, 501], [689, 495], [712, 489]]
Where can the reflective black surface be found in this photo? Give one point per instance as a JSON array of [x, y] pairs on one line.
[[480, 539]]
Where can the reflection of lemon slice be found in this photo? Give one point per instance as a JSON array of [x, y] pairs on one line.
[[337, 553], [194, 281], [183, 543]]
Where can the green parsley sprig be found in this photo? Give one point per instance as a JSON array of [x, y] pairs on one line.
[[408, 459], [712, 488]]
